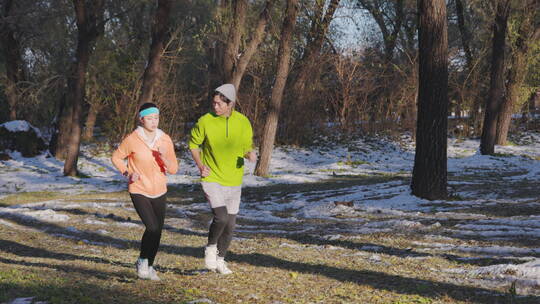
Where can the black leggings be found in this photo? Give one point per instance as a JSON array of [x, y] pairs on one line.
[[221, 230], [152, 213]]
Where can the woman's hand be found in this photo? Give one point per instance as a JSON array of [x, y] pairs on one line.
[[161, 153], [133, 177]]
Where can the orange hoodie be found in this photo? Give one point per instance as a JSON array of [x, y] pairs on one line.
[[144, 159]]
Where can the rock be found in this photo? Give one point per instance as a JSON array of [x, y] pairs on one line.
[[348, 203], [4, 156], [19, 135]]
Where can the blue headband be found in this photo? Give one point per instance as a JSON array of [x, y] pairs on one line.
[[152, 110]]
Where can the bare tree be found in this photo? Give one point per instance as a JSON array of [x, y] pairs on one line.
[[389, 16], [258, 36], [528, 32], [89, 16], [284, 56], [160, 29], [348, 99], [497, 88], [96, 102], [320, 24], [12, 53], [465, 34], [429, 179], [234, 37]]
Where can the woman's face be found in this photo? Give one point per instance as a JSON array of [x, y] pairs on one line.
[[150, 122]]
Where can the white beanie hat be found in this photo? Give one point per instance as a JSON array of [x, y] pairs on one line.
[[228, 91]]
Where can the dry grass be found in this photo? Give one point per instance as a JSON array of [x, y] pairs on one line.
[[94, 263]]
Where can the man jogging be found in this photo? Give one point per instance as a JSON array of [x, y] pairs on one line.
[[220, 141]]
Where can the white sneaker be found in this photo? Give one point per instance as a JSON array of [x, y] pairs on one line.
[[142, 268], [210, 257], [222, 266], [152, 274]]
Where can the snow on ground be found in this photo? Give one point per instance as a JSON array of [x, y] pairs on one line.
[[526, 277], [386, 206], [29, 300]]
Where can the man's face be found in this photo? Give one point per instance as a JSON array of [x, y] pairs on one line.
[[221, 107]]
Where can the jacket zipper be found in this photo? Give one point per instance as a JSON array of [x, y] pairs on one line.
[[227, 127]]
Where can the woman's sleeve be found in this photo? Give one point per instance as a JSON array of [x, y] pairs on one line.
[[171, 157], [119, 155]]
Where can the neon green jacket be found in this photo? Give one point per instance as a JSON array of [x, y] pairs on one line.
[[224, 141]]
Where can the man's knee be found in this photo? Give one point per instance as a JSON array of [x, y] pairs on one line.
[[220, 215], [231, 222]]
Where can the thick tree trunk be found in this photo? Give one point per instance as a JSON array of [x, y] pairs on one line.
[[516, 76], [233, 39], [518, 68], [14, 64], [250, 50], [284, 57], [429, 179], [89, 26], [160, 28], [496, 89], [59, 142]]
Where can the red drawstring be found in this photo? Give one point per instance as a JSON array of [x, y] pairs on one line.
[[159, 161]]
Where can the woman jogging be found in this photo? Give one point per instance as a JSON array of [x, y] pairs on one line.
[[219, 143], [150, 157]]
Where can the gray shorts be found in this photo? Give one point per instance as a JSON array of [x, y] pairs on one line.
[[223, 196]]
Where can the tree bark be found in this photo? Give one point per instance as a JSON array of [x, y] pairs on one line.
[[58, 145], [90, 122], [233, 39], [465, 35], [89, 15], [496, 89], [14, 63], [250, 50], [284, 56], [429, 179], [160, 29], [518, 68]]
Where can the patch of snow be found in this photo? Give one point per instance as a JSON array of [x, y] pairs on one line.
[[495, 251], [128, 224], [526, 276], [90, 221], [29, 300], [47, 215], [6, 223]]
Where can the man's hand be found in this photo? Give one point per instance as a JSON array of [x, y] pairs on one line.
[[204, 170], [251, 156]]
